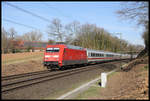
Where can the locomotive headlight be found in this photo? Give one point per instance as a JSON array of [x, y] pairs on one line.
[[56, 56], [47, 56]]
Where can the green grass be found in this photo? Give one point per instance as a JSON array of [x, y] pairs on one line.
[[92, 92], [108, 76], [146, 67], [61, 92]]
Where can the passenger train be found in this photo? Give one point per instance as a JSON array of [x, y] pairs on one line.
[[61, 56]]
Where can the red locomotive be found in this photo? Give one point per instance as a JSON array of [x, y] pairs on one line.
[[61, 55]]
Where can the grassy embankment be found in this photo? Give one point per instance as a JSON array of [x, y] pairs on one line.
[[94, 91]]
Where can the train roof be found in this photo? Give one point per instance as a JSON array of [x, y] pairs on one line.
[[91, 50], [74, 47], [68, 46], [102, 51]]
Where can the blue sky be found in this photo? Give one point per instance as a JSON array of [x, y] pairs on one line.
[[100, 13]]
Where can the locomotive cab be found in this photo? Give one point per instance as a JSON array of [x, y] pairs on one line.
[[52, 56]]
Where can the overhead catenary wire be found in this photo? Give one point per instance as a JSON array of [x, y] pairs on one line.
[[29, 12], [60, 12], [19, 23]]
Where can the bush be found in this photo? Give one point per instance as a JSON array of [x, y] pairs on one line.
[[28, 49], [18, 51], [146, 67]]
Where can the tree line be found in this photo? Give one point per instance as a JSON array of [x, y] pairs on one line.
[[9, 36], [88, 36]]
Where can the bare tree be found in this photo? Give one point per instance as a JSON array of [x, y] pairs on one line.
[[145, 36], [12, 35], [72, 29], [5, 41], [19, 38], [55, 30], [31, 37], [137, 11]]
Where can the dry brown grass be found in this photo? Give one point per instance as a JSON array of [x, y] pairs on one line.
[[18, 57], [22, 63]]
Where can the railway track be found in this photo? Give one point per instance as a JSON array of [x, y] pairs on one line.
[[23, 75], [23, 80], [10, 85]]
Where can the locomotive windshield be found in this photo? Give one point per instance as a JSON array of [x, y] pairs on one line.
[[52, 50]]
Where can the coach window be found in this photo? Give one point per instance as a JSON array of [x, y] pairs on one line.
[[89, 54]]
